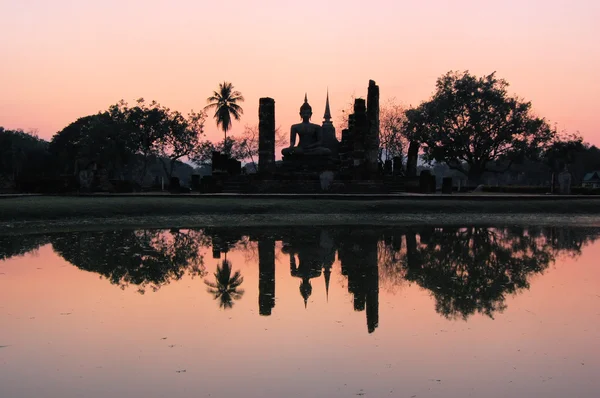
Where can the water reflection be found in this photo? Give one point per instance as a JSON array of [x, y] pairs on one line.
[[13, 246], [226, 287], [145, 258], [467, 270]]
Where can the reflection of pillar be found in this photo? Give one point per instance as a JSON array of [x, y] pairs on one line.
[[359, 264], [266, 135], [411, 249], [266, 275], [371, 273]]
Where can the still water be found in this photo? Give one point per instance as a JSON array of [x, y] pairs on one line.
[[302, 312]]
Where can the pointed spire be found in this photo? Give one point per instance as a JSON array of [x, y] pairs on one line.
[[327, 115], [305, 98]]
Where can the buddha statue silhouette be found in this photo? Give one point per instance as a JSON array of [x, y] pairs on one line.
[[310, 134]]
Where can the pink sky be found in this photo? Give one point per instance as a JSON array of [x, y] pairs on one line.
[[65, 59]]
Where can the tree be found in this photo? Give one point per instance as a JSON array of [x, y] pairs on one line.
[[248, 143], [392, 132], [21, 153], [149, 124], [473, 121], [224, 101], [182, 138], [561, 152]]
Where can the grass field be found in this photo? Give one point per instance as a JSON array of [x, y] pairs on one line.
[[83, 212]]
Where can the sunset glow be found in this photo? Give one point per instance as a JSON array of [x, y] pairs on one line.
[[65, 59]]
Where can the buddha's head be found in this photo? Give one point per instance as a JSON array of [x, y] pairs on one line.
[[305, 110]]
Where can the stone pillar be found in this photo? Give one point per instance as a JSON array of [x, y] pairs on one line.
[[397, 165], [266, 135], [372, 135], [411, 161], [359, 135], [388, 167], [447, 185], [564, 181]]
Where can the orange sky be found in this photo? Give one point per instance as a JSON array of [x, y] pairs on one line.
[[65, 59]]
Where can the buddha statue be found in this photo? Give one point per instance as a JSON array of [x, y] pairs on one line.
[[310, 134]]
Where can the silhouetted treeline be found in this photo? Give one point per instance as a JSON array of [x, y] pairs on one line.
[[122, 149]]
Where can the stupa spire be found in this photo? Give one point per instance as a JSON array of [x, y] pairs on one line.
[[327, 115]]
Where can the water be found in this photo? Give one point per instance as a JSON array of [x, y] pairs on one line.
[[301, 312]]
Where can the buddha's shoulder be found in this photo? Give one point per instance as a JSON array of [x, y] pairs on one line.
[[305, 126]]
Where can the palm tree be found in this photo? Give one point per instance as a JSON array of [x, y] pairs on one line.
[[226, 286], [224, 100]]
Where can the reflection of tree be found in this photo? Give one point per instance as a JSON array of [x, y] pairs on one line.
[[472, 269], [146, 258], [226, 287], [19, 245], [390, 259]]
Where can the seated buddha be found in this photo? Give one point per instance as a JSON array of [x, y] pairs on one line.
[[310, 135]]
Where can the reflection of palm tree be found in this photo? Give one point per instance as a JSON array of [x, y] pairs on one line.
[[224, 100], [226, 287]]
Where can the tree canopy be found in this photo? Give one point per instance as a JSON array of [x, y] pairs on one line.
[[474, 126]]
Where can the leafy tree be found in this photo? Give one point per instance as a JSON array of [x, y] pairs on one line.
[[392, 131], [226, 286], [473, 121], [22, 153], [149, 124], [224, 102], [181, 139], [102, 138], [563, 151], [124, 136]]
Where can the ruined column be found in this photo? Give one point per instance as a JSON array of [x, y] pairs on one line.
[[359, 130], [372, 136], [266, 135], [412, 158]]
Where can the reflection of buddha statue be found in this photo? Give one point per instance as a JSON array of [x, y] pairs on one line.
[[313, 258], [310, 136]]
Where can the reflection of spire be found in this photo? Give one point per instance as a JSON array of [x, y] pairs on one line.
[[327, 273], [327, 115], [305, 290]]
